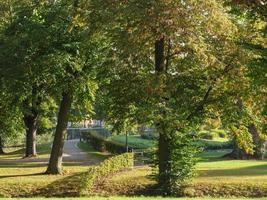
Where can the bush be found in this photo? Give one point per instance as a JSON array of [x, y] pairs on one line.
[[96, 175], [149, 135], [99, 143], [212, 134], [207, 135], [215, 145], [220, 133]]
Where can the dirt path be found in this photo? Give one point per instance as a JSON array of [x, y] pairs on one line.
[[72, 154]]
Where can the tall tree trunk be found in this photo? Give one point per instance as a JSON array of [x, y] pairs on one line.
[[30, 122], [1, 146], [164, 152], [164, 156], [55, 162], [258, 142]]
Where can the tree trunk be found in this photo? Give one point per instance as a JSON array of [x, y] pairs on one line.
[[164, 162], [55, 162], [257, 141], [1, 146], [30, 122], [164, 153]]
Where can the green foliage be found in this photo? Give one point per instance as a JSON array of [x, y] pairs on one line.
[[102, 144], [212, 134], [96, 175], [243, 139], [134, 141], [207, 135], [215, 144], [200, 59], [183, 160]]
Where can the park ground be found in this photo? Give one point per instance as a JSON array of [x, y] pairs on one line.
[[136, 198], [216, 176]]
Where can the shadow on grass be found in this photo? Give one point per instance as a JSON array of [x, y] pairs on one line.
[[22, 165], [258, 170], [64, 187], [21, 175], [39, 164]]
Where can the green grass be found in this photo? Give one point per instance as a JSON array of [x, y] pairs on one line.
[[86, 147], [43, 151], [134, 141], [137, 198], [28, 179], [215, 175]]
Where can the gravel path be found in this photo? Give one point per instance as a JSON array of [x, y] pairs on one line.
[[72, 154]]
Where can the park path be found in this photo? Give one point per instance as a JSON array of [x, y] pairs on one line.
[[71, 154]]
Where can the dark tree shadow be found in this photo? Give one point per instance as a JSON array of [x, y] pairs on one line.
[[257, 170], [65, 187]]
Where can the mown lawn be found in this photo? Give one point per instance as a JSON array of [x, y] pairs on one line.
[[215, 176], [28, 179], [17, 153], [136, 198]]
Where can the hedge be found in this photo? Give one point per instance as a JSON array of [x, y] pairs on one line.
[[101, 144], [96, 175]]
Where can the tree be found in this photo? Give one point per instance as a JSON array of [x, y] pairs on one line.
[[21, 49], [77, 55], [170, 62], [251, 16]]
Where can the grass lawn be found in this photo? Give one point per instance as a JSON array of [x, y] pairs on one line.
[[137, 198], [214, 176], [28, 179], [17, 153]]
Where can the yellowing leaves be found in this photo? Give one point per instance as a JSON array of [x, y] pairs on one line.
[[243, 138]]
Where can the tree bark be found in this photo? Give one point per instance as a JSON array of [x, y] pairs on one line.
[[55, 162], [1, 146], [164, 152], [164, 156], [30, 122], [258, 142]]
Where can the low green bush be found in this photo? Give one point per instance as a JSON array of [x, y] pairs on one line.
[[100, 143], [215, 145], [220, 133], [149, 135], [212, 134], [96, 175], [207, 135]]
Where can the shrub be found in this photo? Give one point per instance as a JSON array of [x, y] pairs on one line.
[[99, 143], [149, 135], [96, 175], [215, 145], [220, 133], [212, 134], [207, 135]]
